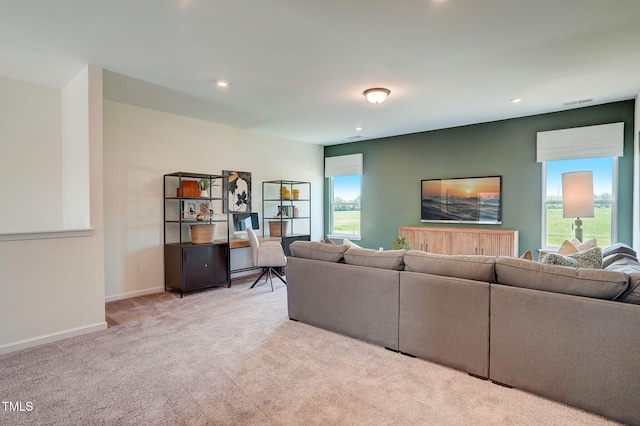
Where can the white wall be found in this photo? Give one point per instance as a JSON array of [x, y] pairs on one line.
[[30, 167], [75, 152], [140, 145], [52, 288]]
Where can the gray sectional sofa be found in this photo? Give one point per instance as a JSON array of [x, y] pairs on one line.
[[571, 335]]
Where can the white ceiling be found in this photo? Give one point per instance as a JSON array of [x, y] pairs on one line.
[[298, 67]]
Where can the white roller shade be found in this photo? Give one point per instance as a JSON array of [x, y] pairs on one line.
[[343, 165], [606, 140]]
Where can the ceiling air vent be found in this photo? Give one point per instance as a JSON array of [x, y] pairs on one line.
[[354, 137], [578, 102]]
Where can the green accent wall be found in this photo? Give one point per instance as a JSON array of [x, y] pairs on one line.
[[393, 168]]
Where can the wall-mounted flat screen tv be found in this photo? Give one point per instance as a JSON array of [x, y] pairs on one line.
[[462, 200]]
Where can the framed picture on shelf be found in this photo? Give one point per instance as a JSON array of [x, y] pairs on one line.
[[204, 208], [189, 209]]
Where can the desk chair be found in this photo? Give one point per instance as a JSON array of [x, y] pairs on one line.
[[267, 255]]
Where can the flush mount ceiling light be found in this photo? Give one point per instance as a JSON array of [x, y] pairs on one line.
[[222, 83], [516, 100], [376, 95]]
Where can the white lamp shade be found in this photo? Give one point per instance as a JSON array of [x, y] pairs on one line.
[[577, 194]]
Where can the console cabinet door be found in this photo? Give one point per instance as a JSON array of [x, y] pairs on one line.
[[425, 239], [204, 266], [499, 244], [463, 243]]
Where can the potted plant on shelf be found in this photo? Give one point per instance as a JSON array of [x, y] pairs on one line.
[[203, 185]]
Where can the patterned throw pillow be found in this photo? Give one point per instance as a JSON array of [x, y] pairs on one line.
[[560, 260], [591, 258]]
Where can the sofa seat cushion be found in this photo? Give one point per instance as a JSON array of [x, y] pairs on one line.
[[595, 283], [470, 267], [388, 259], [631, 267], [318, 251]]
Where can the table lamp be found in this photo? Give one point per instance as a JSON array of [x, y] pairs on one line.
[[577, 198]]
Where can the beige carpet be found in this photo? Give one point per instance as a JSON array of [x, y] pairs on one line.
[[232, 357]]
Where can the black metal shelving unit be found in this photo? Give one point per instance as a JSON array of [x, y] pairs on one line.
[[292, 214], [189, 266]]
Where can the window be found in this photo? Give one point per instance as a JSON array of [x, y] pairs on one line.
[[345, 206], [602, 226], [589, 148], [344, 173]]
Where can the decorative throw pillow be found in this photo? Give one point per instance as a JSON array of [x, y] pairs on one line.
[[350, 244], [586, 245], [560, 260], [591, 258], [567, 248], [527, 255], [328, 241]]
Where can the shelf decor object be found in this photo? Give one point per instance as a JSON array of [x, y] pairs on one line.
[[203, 234]]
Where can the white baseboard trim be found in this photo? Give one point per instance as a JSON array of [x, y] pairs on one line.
[[48, 338], [245, 273], [131, 294]]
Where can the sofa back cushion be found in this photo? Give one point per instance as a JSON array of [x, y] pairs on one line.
[[618, 248], [318, 251], [470, 267], [630, 266], [595, 283], [388, 259]]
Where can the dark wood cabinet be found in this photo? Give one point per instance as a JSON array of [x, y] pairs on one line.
[[192, 267]]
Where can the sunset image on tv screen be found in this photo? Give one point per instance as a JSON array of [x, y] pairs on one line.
[[462, 200]]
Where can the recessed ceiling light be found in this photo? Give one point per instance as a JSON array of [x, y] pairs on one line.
[[516, 100], [222, 83], [358, 129]]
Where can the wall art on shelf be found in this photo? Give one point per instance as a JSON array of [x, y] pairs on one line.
[[205, 208], [189, 209], [238, 190]]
